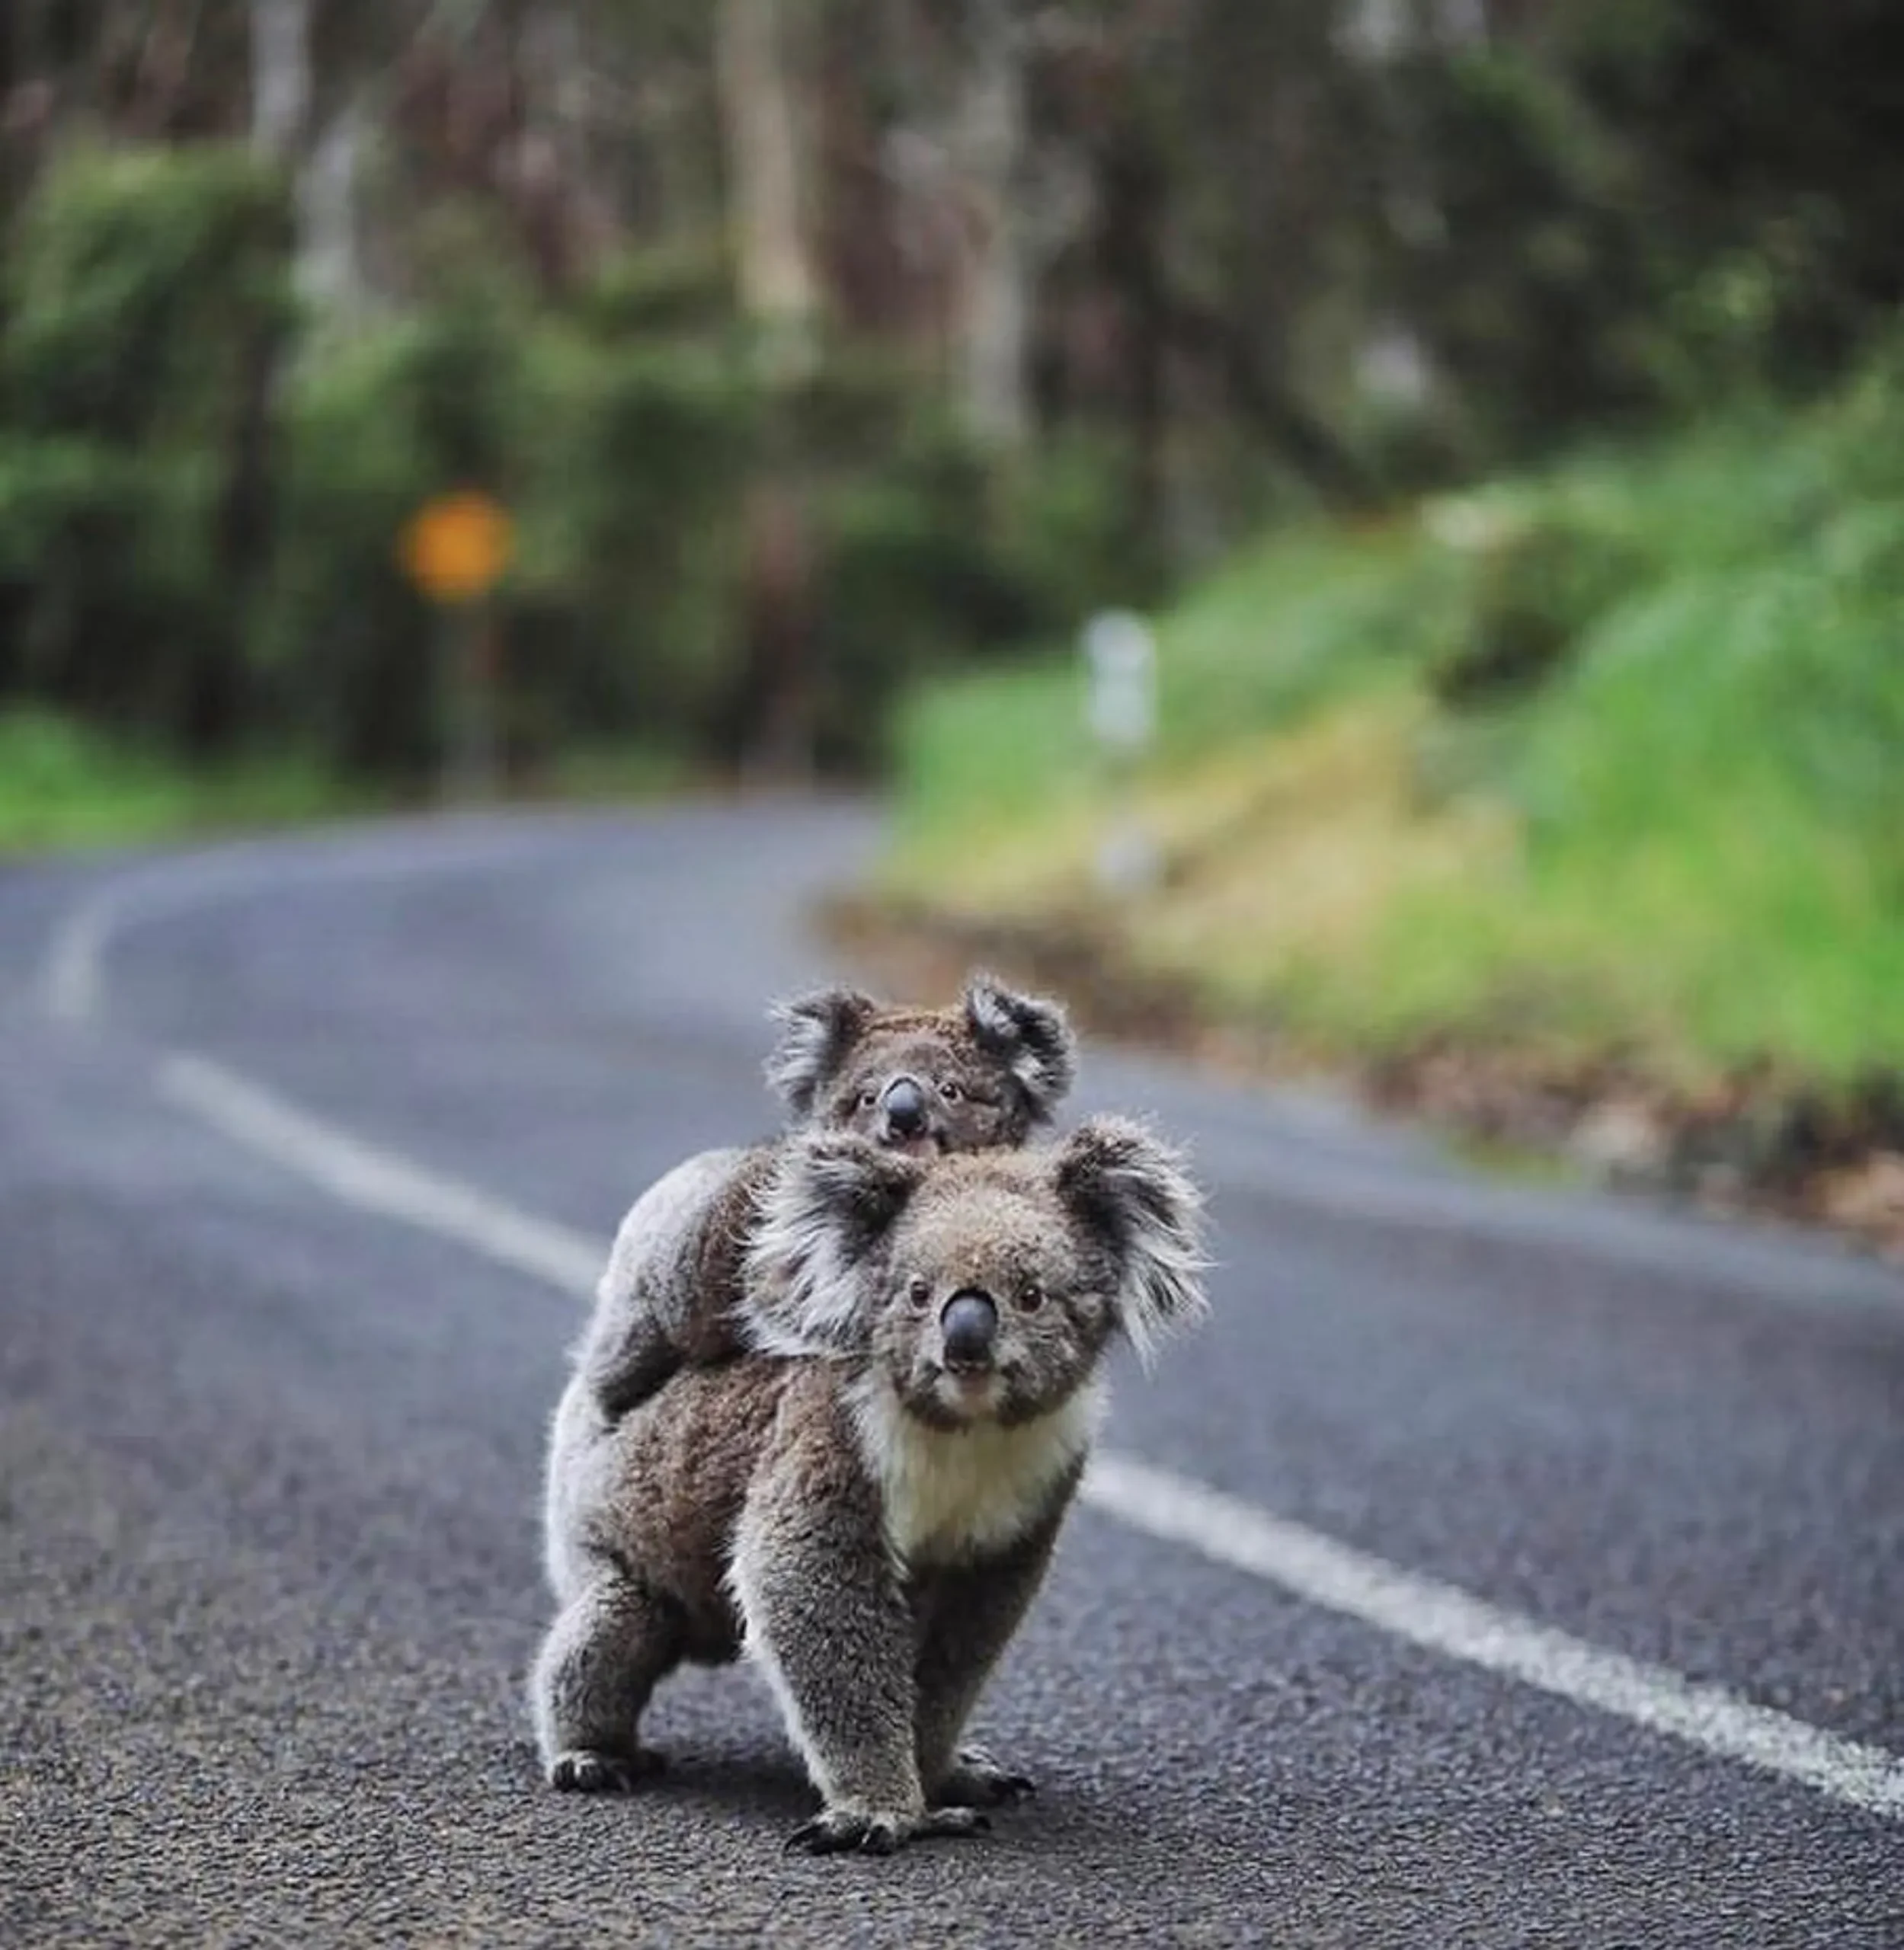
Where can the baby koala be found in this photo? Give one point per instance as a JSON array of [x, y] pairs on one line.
[[870, 1516], [919, 1081]]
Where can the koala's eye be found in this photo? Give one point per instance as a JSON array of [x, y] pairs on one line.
[[1031, 1297], [950, 1091], [918, 1290], [868, 1099]]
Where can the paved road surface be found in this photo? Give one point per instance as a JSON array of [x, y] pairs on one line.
[[1495, 1568]]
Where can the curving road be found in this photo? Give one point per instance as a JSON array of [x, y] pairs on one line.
[[1496, 1568]]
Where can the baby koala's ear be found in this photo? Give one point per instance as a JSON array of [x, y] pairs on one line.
[[816, 1031], [1030, 1035], [1131, 1190], [831, 1201]]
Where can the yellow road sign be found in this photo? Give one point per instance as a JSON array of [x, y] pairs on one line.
[[454, 547]]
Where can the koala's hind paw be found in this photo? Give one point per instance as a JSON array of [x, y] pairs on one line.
[[587, 1770], [975, 1780], [833, 1831]]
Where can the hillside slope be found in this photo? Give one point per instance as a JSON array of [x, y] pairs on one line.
[[1581, 791]]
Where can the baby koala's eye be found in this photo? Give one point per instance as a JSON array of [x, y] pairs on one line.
[[1031, 1297], [868, 1099], [950, 1091], [919, 1289]]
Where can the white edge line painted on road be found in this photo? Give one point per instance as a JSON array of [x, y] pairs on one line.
[[378, 1181], [1171, 1508], [1445, 1620], [72, 975], [70, 983]]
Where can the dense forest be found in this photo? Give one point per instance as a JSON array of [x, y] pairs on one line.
[[815, 344]]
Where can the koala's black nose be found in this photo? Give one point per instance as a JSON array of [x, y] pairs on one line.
[[904, 1104], [970, 1325]]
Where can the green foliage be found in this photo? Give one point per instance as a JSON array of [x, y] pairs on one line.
[[621, 461], [1003, 748], [346, 639], [199, 518], [135, 280], [145, 293], [1536, 586], [63, 783], [670, 290], [1699, 780], [1618, 213], [937, 555], [1326, 244], [1528, 273], [625, 607], [1760, 141]]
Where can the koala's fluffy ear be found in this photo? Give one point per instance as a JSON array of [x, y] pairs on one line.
[[816, 1032], [1030, 1035], [1131, 1191], [830, 1202]]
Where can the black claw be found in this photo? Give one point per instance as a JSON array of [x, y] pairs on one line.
[[822, 1837], [589, 1773], [873, 1835]]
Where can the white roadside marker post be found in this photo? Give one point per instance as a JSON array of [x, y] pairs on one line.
[[1120, 654]]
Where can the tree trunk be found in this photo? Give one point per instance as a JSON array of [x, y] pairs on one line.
[[992, 137], [330, 252], [765, 176], [280, 74], [1133, 191], [280, 110], [779, 291]]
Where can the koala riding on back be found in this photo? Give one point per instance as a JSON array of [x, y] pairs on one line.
[[920, 1082], [869, 1504]]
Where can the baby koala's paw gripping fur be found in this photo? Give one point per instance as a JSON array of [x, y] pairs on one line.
[[975, 1779], [834, 1830]]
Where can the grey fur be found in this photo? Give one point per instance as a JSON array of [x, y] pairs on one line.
[[993, 1069], [817, 1031], [1028, 1033], [870, 1522]]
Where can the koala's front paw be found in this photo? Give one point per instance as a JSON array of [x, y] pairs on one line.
[[833, 1831], [588, 1770], [975, 1780]]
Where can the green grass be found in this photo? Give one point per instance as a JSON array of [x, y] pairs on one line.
[[612, 772], [61, 784], [1610, 757]]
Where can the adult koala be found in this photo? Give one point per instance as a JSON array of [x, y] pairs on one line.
[[868, 1503], [986, 1072]]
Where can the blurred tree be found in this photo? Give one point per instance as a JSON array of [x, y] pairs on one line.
[[937, 263], [767, 186]]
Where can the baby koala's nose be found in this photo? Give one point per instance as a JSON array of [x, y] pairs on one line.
[[969, 1326], [904, 1105]]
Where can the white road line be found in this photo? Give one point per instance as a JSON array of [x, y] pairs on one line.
[[73, 994], [69, 984], [378, 1181], [1312, 1567], [72, 975], [1445, 1620]]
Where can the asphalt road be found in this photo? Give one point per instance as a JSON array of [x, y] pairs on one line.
[[270, 1429]]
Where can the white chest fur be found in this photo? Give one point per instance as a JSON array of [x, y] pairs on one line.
[[955, 1494]]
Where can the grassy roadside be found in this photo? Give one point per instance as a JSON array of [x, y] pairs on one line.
[[63, 784], [1583, 792]]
